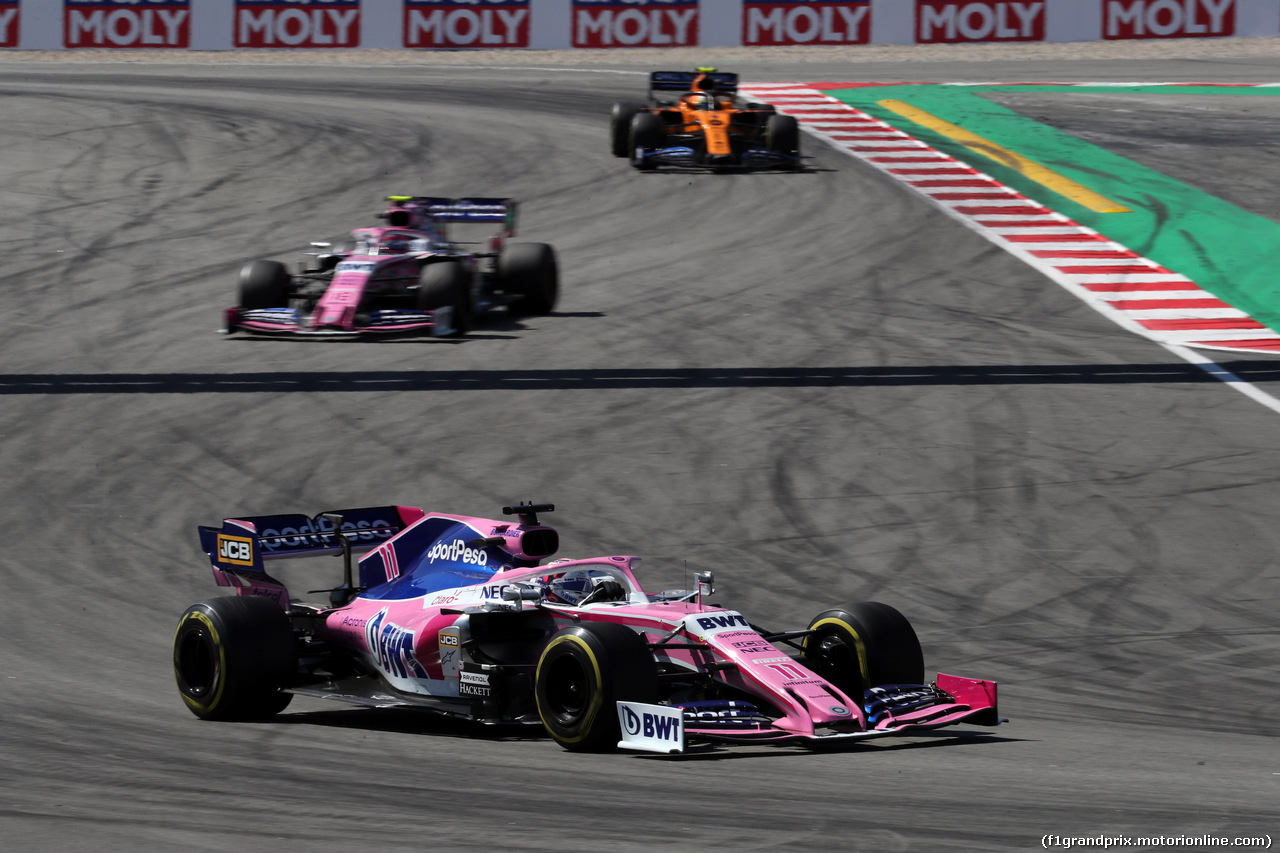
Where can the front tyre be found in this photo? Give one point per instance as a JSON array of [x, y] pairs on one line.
[[264, 284], [647, 134], [583, 672], [447, 283], [782, 135], [864, 645], [232, 655], [620, 127]]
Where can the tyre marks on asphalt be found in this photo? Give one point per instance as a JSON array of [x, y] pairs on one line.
[[1133, 291]]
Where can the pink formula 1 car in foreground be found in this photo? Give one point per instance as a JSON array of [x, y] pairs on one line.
[[406, 276], [461, 616]]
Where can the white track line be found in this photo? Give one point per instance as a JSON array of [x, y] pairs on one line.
[[1135, 292]]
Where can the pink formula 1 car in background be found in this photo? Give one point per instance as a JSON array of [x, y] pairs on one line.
[[406, 276], [462, 616]]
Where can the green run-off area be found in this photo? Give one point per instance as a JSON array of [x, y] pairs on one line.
[[1226, 250]]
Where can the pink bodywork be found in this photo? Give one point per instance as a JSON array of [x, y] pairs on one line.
[[372, 262], [714, 638]]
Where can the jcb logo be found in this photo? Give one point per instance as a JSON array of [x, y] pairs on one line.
[[236, 550], [448, 639]]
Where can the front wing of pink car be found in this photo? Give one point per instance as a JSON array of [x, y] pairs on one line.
[[889, 710]]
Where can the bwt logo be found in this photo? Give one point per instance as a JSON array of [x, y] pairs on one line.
[[658, 726], [723, 620], [806, 23], [235, 550], [496, 23], [638, 24], [297, 23], [950, 21], [126, 23], [1137, 19], [8, 24]]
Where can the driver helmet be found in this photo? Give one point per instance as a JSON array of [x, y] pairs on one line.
[[700, 101], [575, 586], [396, 245]]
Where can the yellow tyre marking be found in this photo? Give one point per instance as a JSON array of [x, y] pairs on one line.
[[222, 663], [1042, 175], [864, 671], [596, 702]]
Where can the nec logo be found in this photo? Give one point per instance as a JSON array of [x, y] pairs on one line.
[[493, 590], [646, 724], [233, 549], [726, 620]]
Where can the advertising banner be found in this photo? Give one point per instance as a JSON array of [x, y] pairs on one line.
[[297, 23], [635, 23], [126, 23], [466, 23], [515, 25], [1179, 19], [9, 22], [793, 22], [960, 21]]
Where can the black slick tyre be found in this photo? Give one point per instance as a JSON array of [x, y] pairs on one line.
[[232, 655], [584, 670], [264, 284], [782, 134], [447, 284], [864, 645], [646, 135], [620, 127], [530, 273]]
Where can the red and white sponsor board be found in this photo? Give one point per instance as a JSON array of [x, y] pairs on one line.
[[959, 21], [794, 22], [9, 21], [1145, 19], [594, 24], [466, 23], [126, 23], [297, 23], [635, 23]]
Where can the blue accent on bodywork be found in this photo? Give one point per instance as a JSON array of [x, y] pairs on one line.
[[893, 699], [431, 556]]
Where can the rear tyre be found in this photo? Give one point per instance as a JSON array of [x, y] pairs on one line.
[[264, 284], [646, 135], [782, 134], [447, 283], [620, 127], [530, 273], [232, 655], [586, 669], [864, 645]]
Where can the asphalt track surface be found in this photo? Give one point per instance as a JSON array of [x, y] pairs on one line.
[[813, 384]]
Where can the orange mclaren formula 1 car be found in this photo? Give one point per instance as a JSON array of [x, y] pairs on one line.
[[705, 126]]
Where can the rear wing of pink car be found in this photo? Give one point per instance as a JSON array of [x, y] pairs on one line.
[[242, 545]]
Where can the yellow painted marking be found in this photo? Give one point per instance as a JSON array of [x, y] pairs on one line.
[[1042, 175]]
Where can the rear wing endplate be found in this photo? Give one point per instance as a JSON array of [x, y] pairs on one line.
[[682, 81], [243, 544]]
